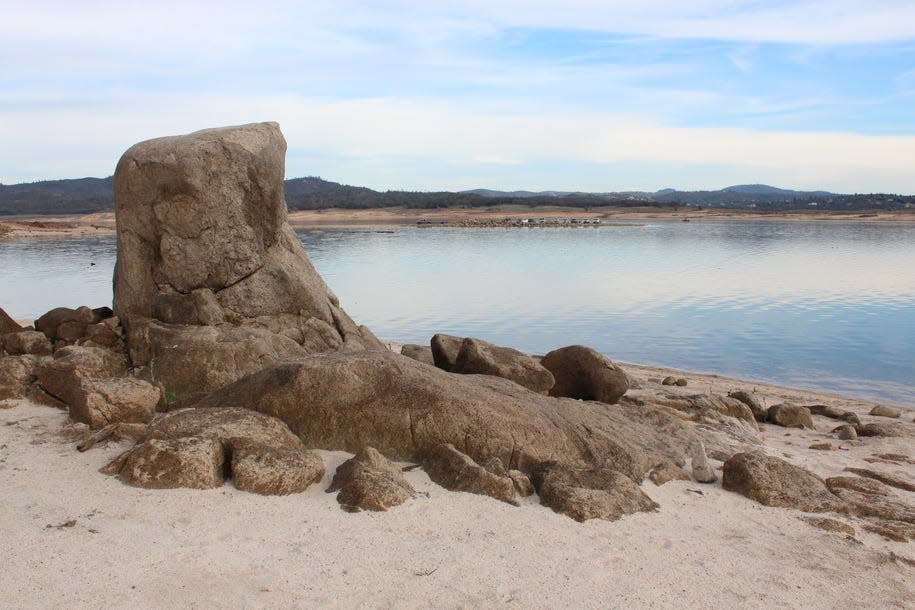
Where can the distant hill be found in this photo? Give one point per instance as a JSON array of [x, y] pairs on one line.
[[86, 195]]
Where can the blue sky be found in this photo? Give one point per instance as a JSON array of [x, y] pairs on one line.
[[572, 95]]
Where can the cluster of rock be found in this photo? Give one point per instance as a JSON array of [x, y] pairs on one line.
[[226, 356]]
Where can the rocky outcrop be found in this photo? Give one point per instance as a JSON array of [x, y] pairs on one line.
[[206, 259], [27, 342], [790, 416], [482, 358], [341, 401], [590, 493], [65, 326], [581, 372], [100, 402], [456, 471], [369, 481], [885, 478], [775, 482]]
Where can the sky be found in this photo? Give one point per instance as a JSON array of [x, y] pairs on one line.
[[580, 95]]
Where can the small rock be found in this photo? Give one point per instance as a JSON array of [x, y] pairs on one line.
[[421, 353], [830, 525], [592, 493], [846, 432], [760, 413], [702, 470], [669, 380], [885, 411], [273, 470], [99, 402], [27, 342], [823, 447], [522, 483], [369, 481], [789, 415], [665, 473], [885, 429], [195, 462], [681, 382], [482, 358]]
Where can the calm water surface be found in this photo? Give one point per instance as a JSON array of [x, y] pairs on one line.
[[826, 305]]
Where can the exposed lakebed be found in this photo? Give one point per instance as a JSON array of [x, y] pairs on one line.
[[823, 305]]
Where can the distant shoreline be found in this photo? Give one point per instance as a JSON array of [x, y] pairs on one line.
[[102, 223]]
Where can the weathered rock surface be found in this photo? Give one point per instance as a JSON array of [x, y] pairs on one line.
[[195, 462], [581, 372], [403, 408], [27, 342], [775, 482], [206, 257], [229, 425], [830, 525], [872, 499], [846, 432], [665, 473], [885, 411], [420, 353], [702, 470], [482, 358], [16, 374], [273, 470], [590, 493], [60, 376], [888, 429], [756, 405], [790, 416], [8, 324], [369, 481], [885, 478], [834, 413], [456, 471], [65, 324], [445, 350], [99, 402]]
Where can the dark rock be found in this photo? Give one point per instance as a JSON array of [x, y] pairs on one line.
[[445, 350], [669, 380], [834, 413], [99, 402], [757, 407], [274, 470], [592, 493], [369, 481], [790, 416], [7, 324], [456, 471], [775, 482], [195, 462], [26, 342], [583, 373], [885, 411], [482, 358], [420, 353]]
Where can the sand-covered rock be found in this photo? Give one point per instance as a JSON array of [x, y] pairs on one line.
[[370, 481], [885, 411], [886, 429], [590, 493], [195, 462], [456, 471], [885, 478], [775, 482], [581, 372]]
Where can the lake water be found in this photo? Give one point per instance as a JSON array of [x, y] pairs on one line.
[[821, 305]]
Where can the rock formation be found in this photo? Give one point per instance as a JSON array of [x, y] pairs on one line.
[[209, 274], [581, 372], [370, 481]]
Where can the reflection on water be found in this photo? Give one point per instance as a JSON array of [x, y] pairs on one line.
[[820, 305]]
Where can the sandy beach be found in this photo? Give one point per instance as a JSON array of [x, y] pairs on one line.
[[76, 537]]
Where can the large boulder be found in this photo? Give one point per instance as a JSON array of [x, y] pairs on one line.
[[271, 470], [775, 482], [370, 481], [581, 372], [65, 324], [341, 401], [482, 358], [16, 375], [757, 406], [790, 416], [203, 241], [445, 350]]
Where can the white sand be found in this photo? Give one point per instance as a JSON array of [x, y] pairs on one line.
[[225, 548]]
